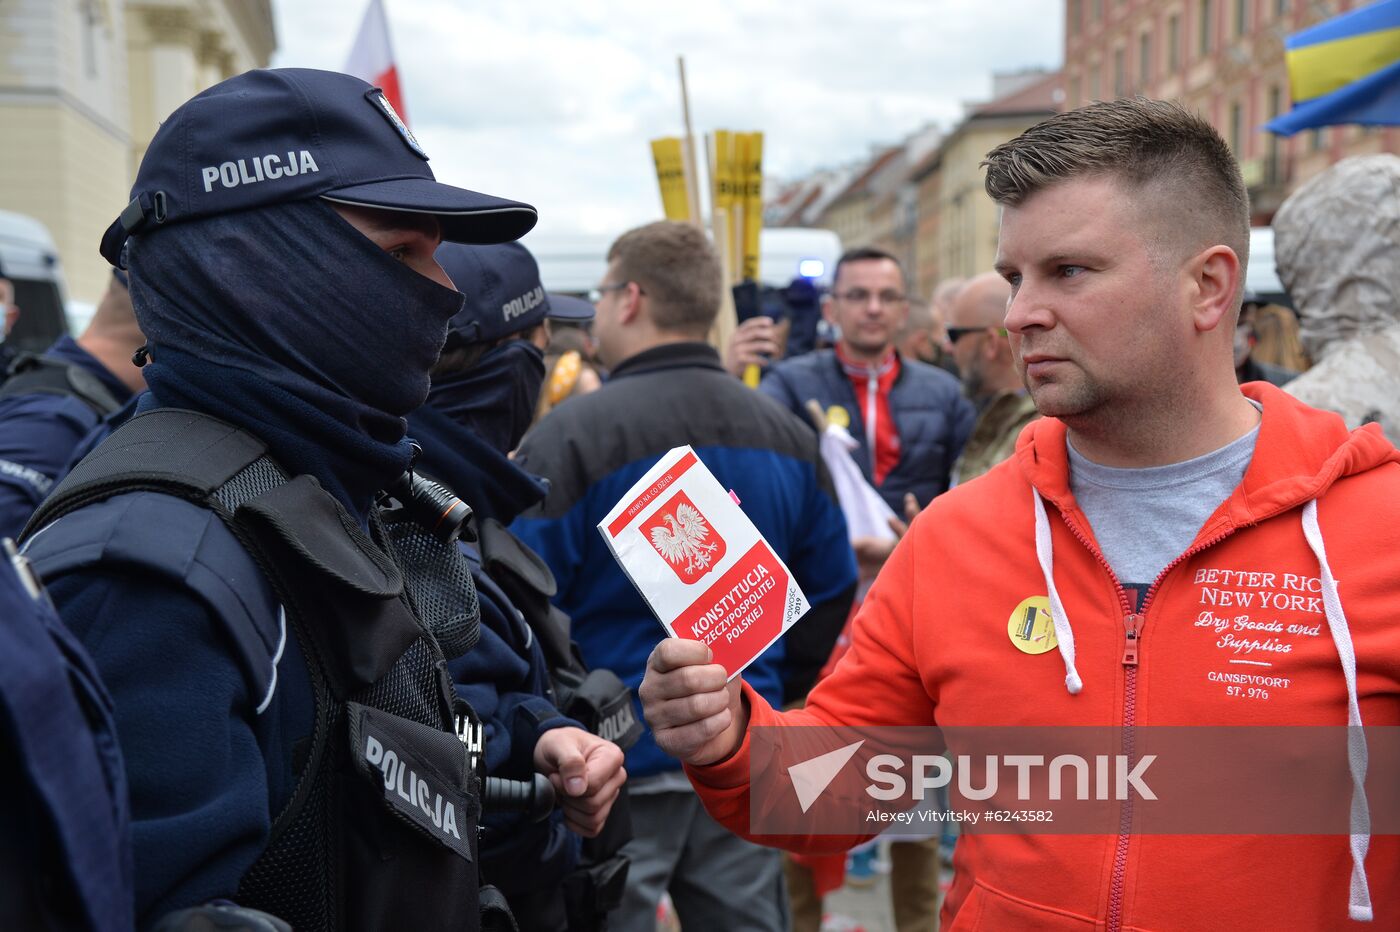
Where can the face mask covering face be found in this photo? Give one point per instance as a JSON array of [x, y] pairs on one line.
[[495, 399], [290, 323]]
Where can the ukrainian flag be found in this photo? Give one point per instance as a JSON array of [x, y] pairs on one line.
[[1345, 70]]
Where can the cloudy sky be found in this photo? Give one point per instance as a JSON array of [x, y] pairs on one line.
[[553, 101]]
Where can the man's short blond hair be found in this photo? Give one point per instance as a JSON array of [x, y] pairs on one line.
[[679, 271], [1190, 181]]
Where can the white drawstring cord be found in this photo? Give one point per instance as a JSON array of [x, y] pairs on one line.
[[1045, 552], [1359, 906]]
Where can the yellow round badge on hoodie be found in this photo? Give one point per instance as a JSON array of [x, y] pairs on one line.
[[1031, 628], [839, 416]]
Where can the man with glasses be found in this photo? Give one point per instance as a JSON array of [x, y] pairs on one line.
[[979, 344], [667, 388], [909, 418]]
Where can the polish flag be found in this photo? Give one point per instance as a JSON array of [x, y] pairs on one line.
[[372, 58]]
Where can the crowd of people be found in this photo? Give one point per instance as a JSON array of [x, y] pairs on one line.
[[310, 625]]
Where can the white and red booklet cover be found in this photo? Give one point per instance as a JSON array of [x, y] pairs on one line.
[[700, 563]]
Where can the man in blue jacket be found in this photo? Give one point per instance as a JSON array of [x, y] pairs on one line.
[[51, 402], [667, 388], [910, 419], [277, 670], [484, 389]]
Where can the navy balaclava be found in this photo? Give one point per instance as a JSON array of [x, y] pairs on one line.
[[288, 322], [496, 397]]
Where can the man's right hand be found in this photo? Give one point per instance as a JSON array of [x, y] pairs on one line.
[[694, 714], [755, 342]]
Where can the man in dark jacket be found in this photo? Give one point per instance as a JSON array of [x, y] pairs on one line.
[[910, 419], [52, 401], [282, 751], [482, 398], [668, 389]]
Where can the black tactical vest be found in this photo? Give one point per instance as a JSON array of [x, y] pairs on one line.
[[31, 373], [381, 830]]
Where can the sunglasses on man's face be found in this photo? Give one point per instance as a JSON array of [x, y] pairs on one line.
[[957, 333]]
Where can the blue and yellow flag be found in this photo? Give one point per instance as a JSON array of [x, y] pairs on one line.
[[1345, 70]]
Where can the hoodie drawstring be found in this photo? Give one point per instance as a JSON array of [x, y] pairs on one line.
[[1359, 906], [1045, 552]]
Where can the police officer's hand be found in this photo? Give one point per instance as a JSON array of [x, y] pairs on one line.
[[755, 341], [693, 713], [587, 774]]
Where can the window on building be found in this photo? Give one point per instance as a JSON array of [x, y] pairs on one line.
[[1095, 88], [1205, 11], [1174, 42], [1280, 7], [92, 22], [1237, 129], [1097, 11], [1076, 14], [1144, 60], [1319, 140], [1120, 79], [1241, 17]]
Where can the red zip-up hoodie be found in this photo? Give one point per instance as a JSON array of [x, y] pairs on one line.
[[1317, 504]]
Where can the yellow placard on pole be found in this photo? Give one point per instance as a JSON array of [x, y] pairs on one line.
[[738, 205], [752, 168], [670, 177]]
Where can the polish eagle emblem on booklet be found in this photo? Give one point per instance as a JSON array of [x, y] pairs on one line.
[[699, 562], [680, 533]]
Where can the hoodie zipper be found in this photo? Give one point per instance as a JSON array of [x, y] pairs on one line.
[[1132, 640]]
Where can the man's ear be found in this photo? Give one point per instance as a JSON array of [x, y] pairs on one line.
[[828, 310], [631, 303], [1216, 274]]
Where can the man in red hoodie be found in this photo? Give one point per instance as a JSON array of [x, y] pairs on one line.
[[1153, 487]]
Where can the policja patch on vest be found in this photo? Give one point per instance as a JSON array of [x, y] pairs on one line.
[[1031, 628], [421, 771]]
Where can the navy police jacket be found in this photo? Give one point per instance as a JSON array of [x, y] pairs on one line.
[[210, 693], [38, 433], [930, 413], [592, 451]]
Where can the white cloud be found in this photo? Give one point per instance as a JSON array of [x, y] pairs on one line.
[[553, 102]]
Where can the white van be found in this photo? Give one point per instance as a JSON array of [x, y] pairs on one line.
[[29, 259], [1260, 276]]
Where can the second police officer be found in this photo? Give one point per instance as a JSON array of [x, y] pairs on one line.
[[483, 395]]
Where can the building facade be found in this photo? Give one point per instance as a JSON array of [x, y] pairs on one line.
[[83, 86], [968, 219], [1225, 60]]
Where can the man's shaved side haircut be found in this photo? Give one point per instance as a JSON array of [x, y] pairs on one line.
[[1149, 146], [675, 265]]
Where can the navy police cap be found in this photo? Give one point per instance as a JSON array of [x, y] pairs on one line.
[[289, 134], [503, 292]]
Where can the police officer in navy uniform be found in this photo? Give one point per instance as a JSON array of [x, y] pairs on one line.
[[274, 641], [483, 396], [50, 402]]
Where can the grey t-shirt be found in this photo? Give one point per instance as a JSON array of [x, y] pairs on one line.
[[1145, 518]]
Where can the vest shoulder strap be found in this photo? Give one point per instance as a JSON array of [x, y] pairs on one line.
[[185, 454], [31, 374]]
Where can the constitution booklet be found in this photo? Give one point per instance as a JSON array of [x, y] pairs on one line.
[[700, 563]]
